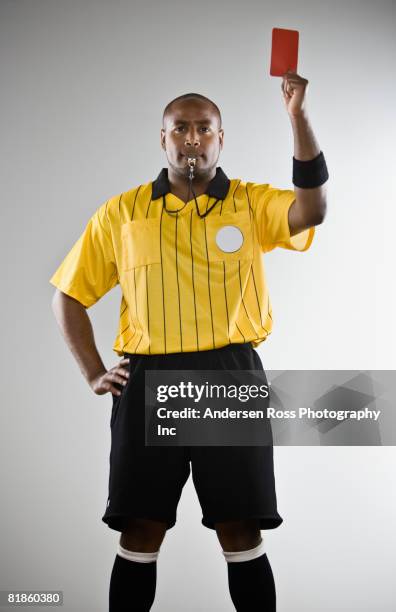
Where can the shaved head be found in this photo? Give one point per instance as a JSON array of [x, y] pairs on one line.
[[191, 96]]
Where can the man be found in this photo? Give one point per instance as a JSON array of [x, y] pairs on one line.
[[188, 302]]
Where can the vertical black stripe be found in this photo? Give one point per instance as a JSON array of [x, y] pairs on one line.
[[119, 206], [225, 297], [243, 302], [134, 278], [248, 199], [251, 214], [210, 299], [268, 309], [134, 202], [178, 288], [162, 280], [148, 311], [148, 207], [258, 301], [192, 276], [236, 324], [233, 195], [147, 286], [136, 311], [139, 341]]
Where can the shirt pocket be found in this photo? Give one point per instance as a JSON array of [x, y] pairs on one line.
[[141, 243], [229, 237]]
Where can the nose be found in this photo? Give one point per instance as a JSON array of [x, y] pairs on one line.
[[192, 140]]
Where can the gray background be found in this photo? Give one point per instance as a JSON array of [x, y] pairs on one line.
[[83, 88]]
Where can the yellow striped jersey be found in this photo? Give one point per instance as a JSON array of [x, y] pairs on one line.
[[188, 283]]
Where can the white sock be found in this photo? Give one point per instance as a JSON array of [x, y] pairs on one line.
[[244, 555], [140, 557]]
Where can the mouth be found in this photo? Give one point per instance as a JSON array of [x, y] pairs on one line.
[[197, 156]]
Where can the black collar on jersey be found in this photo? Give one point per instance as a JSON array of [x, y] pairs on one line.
[[217, 188]]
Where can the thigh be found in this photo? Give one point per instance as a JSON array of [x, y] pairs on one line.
[[145, 482], [234, 482]]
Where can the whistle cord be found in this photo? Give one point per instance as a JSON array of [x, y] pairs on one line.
[[190, 191], [196, 203]]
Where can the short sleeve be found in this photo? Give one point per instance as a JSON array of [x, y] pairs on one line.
[[271, 211], [89, 269]]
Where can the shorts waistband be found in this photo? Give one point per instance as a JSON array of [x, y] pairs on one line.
[[235, 346]]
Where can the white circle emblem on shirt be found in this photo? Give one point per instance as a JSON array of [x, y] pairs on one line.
[[229, 238]]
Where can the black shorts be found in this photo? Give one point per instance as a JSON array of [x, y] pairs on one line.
[[232, 482]]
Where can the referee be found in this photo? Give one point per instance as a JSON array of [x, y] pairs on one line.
[[186, 250]]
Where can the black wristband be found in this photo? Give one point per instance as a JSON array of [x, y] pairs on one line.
[[310, 173]]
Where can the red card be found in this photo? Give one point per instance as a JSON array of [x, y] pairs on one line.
[[284, 51]]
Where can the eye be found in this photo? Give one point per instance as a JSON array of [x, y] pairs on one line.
[[205, 128], [179, 127]]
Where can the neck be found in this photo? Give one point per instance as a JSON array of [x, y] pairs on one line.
[[179, 184]]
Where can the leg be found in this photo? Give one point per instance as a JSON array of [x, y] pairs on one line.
[[134, 575], [238, 535], [250, 577], [143, 535], [144, 481]]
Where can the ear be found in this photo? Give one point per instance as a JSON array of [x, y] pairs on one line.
[[221, 137], [163, 138]]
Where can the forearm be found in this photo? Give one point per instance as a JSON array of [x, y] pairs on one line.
[[77, 331], [306, 146], [312, 201]]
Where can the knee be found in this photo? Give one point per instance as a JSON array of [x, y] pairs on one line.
[[142, 535], [237, 536]]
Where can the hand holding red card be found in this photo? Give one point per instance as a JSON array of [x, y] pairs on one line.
[[293, 89], [284, 55]]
